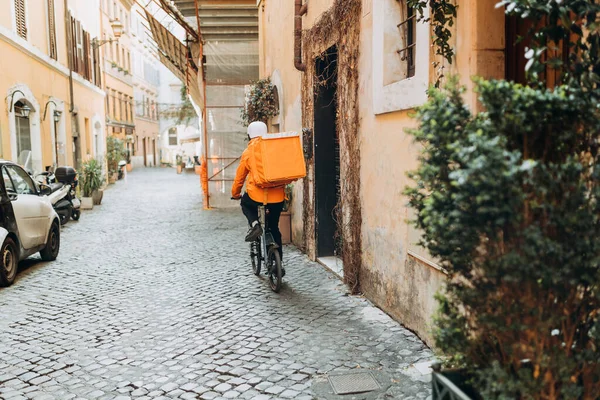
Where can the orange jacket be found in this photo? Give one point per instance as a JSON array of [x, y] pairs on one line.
[[273, 195]]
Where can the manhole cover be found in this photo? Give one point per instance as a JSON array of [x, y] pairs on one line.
[[353, 383]]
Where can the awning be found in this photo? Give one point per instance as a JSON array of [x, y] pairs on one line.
[[175, 56]]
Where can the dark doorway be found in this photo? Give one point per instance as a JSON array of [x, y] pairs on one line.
[[327, 154], [518, 38], [154, 151], [144, 152]]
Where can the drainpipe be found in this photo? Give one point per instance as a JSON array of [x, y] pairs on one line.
[[300, 10], [70, 54]]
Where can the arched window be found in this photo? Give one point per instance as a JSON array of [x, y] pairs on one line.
[[23, 127]]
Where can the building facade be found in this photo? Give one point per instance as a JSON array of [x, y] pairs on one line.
[[146, 82], [366, 65], [118, 72], [53, 108], [179, 132]]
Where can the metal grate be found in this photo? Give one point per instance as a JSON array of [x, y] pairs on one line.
[[354, 383]]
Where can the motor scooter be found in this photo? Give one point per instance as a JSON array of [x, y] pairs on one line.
[[62, 183]]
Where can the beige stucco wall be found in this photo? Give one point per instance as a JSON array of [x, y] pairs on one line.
[[26, 66], [396, 274]]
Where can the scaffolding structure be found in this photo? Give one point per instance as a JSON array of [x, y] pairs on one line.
[[217, 69]]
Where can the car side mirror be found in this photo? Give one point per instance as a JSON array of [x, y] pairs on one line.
[[45, 190]]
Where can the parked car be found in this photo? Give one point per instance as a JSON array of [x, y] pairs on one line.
[[28, 223]]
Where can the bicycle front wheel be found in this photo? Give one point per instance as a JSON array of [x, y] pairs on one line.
[[275, 270]]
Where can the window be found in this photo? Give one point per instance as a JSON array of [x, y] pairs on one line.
[[21, 18], [23, 129], [400, 57], [8, 184], [408, 33], [173, 137], [52, 30], [85, 59], [108, 102], [21, 180], [399, 41], [114, 104]]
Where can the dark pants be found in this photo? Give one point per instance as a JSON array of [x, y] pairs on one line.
[[250, 210]]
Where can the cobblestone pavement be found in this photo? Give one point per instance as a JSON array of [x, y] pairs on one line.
[[152, 297]]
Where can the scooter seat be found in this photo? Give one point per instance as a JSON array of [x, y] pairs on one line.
[[56, 186]]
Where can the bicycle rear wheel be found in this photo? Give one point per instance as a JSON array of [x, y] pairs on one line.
[[275, 270], [255, 256]]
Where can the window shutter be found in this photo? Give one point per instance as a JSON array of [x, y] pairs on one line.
[[97, 75], [88, 56], [52, 30], [21, 19]]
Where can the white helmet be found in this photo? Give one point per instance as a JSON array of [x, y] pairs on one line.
[[257, 129]]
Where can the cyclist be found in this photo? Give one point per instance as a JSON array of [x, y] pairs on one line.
[[254, 195]]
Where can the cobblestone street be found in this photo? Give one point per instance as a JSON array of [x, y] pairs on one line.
[[152, 297]]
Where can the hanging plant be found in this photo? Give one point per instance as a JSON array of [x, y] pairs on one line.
[[261, 103], [441, 19], [184, 112]]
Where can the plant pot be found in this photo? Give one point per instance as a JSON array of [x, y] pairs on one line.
[[451, 384], [87, 203], [197, 169], [179, 169], [97, 196], [129, 167], [285, 227]]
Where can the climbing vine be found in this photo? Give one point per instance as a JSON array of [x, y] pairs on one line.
[[441, 19]]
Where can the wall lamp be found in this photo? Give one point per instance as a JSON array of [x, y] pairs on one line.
[[117, 28], [56, 113], [24, 110]]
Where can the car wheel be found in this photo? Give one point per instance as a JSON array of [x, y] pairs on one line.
[[9, 261], [50, 252]]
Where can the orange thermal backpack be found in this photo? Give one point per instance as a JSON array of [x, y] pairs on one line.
[[278, 159]]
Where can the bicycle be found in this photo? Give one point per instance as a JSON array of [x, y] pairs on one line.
[[265, 244]]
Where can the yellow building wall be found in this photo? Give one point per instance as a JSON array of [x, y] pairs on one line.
[[26, 66], [396, 274]]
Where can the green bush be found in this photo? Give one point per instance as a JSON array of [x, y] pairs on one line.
[[115, 152], [91, 177], [508, 202]]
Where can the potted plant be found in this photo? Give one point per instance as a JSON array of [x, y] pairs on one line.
[[115, 152], [285, 220], [179, 163], [91, 182], [507, 202], [129, 167]]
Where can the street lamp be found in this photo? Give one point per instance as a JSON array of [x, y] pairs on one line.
[[24, 109], [117, 28], [55, 111]]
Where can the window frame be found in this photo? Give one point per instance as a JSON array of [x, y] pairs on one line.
[[408, 93], [26, 178]]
